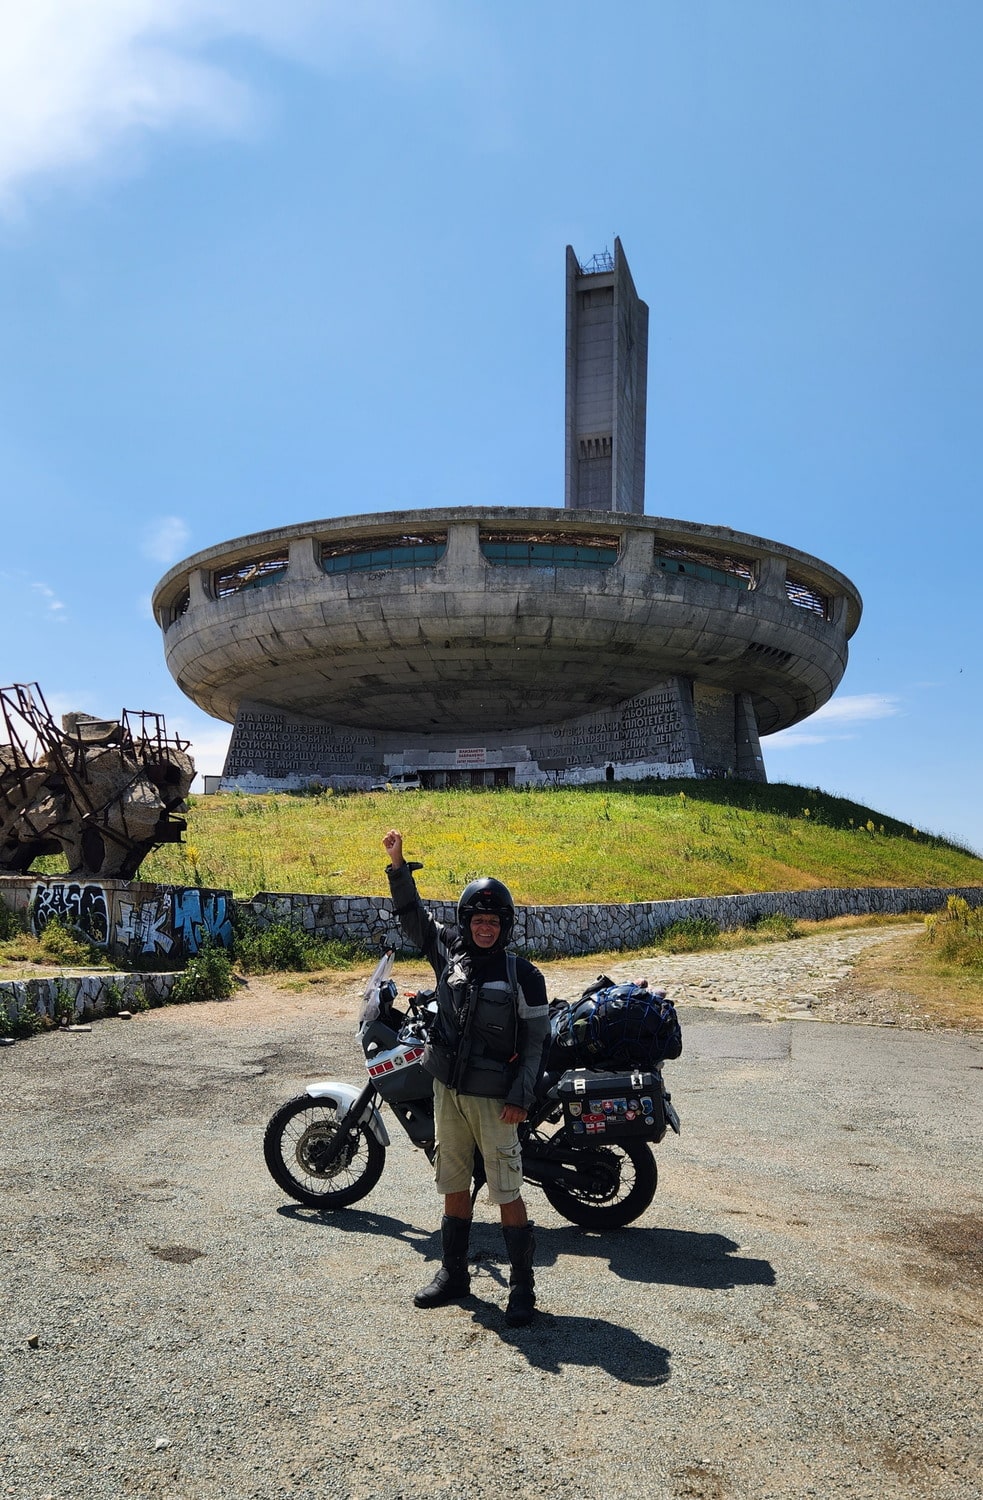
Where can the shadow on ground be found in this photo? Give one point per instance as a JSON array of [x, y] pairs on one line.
[[659, 1257]]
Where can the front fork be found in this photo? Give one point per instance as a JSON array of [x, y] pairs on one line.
[[355, 1109]]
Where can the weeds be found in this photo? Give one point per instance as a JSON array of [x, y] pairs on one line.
[[956, 934], [777, 928], [18, 1022], [689, 935], [63, 1011], [62, 945], [11, 923], [207, 976], [113, 999], [57, 944], [285, 947]]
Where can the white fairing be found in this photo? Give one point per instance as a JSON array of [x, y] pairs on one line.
[[344, 1096]]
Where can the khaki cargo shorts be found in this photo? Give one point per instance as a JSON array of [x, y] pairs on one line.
[[464, 1121]]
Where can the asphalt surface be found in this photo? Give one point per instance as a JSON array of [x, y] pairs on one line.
[[797, 1314]]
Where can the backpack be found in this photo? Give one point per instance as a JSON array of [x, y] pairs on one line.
[[631, 1026]]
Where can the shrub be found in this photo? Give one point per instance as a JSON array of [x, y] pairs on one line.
[[207, 976], [11, 923], [282, 945], [285, 947], [688, 935], [61, 945], [776, 928], [956, 933]]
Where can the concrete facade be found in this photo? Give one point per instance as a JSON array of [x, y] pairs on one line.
[[538, 643], [606, 385]]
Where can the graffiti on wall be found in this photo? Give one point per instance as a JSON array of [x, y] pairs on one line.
[[146, 928], [84, 908], [201, 917], [158, 922]]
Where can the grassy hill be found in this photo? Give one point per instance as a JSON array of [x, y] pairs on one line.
[[621, 842]]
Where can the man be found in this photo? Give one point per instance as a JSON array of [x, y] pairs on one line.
[[485, 1054]]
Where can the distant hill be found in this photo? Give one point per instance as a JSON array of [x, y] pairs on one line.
[[644, 841]]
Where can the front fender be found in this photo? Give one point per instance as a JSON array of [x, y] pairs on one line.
[[344, 1096]]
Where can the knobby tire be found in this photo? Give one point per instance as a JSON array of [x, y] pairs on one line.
[[290, 1147], [614, 1204]]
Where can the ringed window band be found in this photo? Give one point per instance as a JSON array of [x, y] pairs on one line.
[[552, 550], [712, 567], [804, 596], [402, 552], [256, 573], [181, 605]]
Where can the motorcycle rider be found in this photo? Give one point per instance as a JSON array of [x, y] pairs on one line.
[[485, 1054]]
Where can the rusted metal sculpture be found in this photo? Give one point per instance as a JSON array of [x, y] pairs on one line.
[[103, 792]]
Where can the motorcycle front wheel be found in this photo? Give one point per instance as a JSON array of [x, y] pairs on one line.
[[294, 1147], [614, 1185]]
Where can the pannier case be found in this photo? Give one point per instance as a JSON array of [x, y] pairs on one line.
[[613, 1106]]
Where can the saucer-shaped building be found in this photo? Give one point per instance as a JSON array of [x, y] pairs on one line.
[[513, 645]]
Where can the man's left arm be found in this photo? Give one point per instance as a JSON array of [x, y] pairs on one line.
[[532, 1030]]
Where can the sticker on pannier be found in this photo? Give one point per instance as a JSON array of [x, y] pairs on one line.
[[616, 1106]]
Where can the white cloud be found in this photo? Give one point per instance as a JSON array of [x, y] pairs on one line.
[[165, 539], [835, 717], [209, 743], [81, 80], [53, 604], [857, 709]]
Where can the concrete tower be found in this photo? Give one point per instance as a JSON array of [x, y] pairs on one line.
[[607, 359]]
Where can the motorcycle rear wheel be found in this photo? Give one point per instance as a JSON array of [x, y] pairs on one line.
[[294, 1139], [619, 1183]]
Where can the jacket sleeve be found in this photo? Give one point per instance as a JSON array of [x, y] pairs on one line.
[[431, 937], [533, 1030]]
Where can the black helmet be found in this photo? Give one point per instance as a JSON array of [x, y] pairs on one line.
[[486, 895]]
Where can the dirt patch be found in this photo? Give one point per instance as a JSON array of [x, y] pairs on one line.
[[890, 984], [177, 1255], [696, 1482], [955, 1246], [896, 984]]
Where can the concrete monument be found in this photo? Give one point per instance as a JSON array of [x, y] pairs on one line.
[[498, 646], [103, 792]]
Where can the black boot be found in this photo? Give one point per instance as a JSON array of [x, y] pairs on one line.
[[453, 1280], [520, 1245]]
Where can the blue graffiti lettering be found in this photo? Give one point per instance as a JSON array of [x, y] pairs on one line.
[[201, 917]]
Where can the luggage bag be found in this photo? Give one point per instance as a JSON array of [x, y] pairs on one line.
[[613, 1106]]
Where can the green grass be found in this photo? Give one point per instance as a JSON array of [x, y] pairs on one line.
[[641, 842]]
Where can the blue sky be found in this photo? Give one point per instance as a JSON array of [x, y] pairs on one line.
[[262, 263]]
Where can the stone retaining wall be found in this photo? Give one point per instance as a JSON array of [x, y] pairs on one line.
[[83, 996], [589, 928], [556, 930]]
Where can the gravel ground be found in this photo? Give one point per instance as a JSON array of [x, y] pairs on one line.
[[797, 1314]]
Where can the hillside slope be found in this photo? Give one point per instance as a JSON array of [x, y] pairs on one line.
[[642, 842]]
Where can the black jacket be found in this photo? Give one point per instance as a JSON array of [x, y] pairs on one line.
[[485, 1040]]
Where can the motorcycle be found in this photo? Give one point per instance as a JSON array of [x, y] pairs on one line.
[[586, 1142]]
